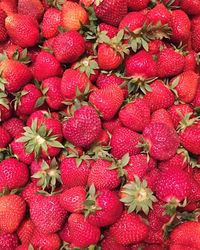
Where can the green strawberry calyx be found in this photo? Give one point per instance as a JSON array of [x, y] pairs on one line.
[[3, 100], [87, 65], [187, 121]]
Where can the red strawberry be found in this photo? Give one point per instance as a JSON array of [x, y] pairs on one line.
[[8, 241], [46, 242], [13, 209], [15, 75], [196, 101], [83, 128], [13, 174], [5, 137], [25, 231], [162, 116], [9, 7], [68, 46], [195, 37], [159, 97], [14, 126], [47, 214], [23, 30], [107, 100], [3, 31], [111, 125], [30, 192], [129, 229], [72, 199], [111, 31], [137, 4], [159, 14], [87, 233], [33, 8], [46, 66], [151, 177], [190, 7], [111, 12], [50, 22], [135, 115], [5, 108], [109, 243], [177, 161], [65, 234], [190, 61], [102, 176], [162, 141], [72, 174], [133, 21], [124, 141]]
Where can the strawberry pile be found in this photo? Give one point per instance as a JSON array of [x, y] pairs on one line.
[[99, 125]]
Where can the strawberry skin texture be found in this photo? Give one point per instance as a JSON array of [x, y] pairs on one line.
[[111, 30], [173, 183], [190, 7], [196, 101], [16, 74], [129, 229], [87, 233], [83, 128], [23, 30], [68, 46], [109, 243], [5, 137], [30, 192], [137, 4], [107, 101], [8, 241], [33, 8], [65, 233], [159, 13], [12, 211], [133, 20], [177, 161], [124, 141], [162, 141], [195, 37], [25, 231], [111, 11], [162, 116], [3, 31]]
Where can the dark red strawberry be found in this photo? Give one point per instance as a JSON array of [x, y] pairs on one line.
[[111, 125], [8, 241], [3, 31], [109, 243], [111, 31], [5, 137], [65, 233], [177, 161], [137, 4], [25, 231]]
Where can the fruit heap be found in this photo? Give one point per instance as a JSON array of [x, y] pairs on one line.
[[99, 125]]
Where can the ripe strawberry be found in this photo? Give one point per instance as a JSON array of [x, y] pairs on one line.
[[9, 6], [110, 12], [30, 192], [190, 7], [141, 65], [111, 125], [111, 31], [46, 66], [177, 161], [25, 231], [170, 63], [73, 174], [151, 177], [190, 61], [102, 176], [129, 229], [158, 14], [179, 19], [72, 199], [124, 141], [3, 31], [191, 239], [5, 108], [8, 241], [68, 46], [137, 4], [195, 37], [12, 212], [47, 214], [185, 85], [133, 21], [162, 116], [173, 184], [22, 29], [5, 137], [65, 234], [135, 115], [162, 141], [107, 100], [33, 8], [14, 126], [48, 242], [15, 75], [83, 128], [159, 97], [87, 233], [196, 101], [73, 16], [13, 174]]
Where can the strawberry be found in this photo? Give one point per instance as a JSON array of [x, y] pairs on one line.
[[177, 161], [133, 21], [9, 7], [109, 243], [170, 63], [48, 242], [5, 108], [68, 46], [179, 19], [8, 241], [5, 137], [111, 31], [124, 141], [107, 101], [13, 174], [46, 66], [74, 174], [14, 126], [162, 141], [27, 99], [50, 22], [159, 97], [73, 16], [195, 37], [3, 31], [30, 192], [22, 29], [87, 233], [65, 234], [190, 61], [137, 4], [162, 116], [111, 125], [83, 128], [135, 115], [191, 240], [33, 8], [129, 229], [12, 212], [102, 176], [151, 177], [196, 101], [53, 94], [72, 199], [158, 14], [110, 12], [14, 75], [25, 231], [190, 7]]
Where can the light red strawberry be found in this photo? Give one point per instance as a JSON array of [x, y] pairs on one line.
[[133, 21], [5, 137], [111, 31], [8, 241], [25, 231], [33, 8], [9, 7]]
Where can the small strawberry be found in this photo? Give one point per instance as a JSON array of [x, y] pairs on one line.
[[137, 4], [5, 108], [129, 229], [48, 242], [5, 137], [68, 46], [3, 31], [22, 29], [25, 231], [8, 241], [190, 61], [87, 233], [33, 8], [162, 116]]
